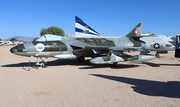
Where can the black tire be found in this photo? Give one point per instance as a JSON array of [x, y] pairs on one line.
[[81, 59], [113, 65], [157, 55]]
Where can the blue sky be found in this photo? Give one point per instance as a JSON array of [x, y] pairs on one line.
[[109, 17]]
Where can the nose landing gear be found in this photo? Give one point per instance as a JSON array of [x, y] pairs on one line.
[[157, 55], [41, 63]]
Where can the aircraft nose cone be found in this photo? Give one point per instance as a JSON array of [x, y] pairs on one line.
[[17, 48], [12, 50], [172, 48]]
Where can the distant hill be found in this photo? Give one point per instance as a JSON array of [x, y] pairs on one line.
[[22, 38]]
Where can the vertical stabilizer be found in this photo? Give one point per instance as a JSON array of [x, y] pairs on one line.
[[84, 30], [134, 36], [136, 32]]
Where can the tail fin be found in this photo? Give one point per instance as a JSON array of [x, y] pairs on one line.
[[134, 36], [136, 32], [177, 50], [83, 30]]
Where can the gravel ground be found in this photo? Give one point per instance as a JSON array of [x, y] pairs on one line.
[[67, 83]]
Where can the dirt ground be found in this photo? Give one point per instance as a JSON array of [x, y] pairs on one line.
[[67, 83]]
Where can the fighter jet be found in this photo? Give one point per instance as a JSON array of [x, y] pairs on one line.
[[152, 43], [156, 44], [177, 50], [103, 50]]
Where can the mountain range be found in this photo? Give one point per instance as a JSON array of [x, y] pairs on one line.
[[22, 38]]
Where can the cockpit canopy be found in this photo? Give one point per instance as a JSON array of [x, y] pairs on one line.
[[49, 37]]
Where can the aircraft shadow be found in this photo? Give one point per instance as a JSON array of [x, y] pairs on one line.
[[169, 89], [118, 66], [87, 64], [19, 64], [158, 65], [74, 62], [58, 62]]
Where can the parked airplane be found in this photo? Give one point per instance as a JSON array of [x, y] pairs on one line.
[[8, 42], [177, 50], [1, 42], [152, 43], [102, 50]]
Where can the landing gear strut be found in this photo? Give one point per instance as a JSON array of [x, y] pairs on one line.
[[113, 65], [41, 63]]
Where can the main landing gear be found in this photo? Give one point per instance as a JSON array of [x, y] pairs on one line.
[[113, 65], [81, 59], [146, 52], [41, 63], [157, 55]]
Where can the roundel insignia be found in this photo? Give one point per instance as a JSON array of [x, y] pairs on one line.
[[156, 45], [40, 47], [136, 31]]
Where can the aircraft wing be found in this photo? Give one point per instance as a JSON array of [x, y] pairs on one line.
[[81, 48]]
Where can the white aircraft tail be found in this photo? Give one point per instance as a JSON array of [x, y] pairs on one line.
[[84, 30]]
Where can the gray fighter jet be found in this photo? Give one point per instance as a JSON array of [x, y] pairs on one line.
[[103, 50]]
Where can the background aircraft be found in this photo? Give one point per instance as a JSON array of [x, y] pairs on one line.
[[8, 42], [152, 43], [177, 50], [1, 42], [102, 50]]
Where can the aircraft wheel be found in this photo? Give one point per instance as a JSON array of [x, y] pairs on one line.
[[113, 65], [42, 64], [81, 59], [157, 55]]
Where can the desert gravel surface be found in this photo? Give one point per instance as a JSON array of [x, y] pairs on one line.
[[68, 83]]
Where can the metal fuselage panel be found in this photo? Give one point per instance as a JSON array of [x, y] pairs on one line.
[[122, 42], [41, 49]]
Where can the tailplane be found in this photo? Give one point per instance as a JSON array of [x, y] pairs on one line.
[[84, 30]]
